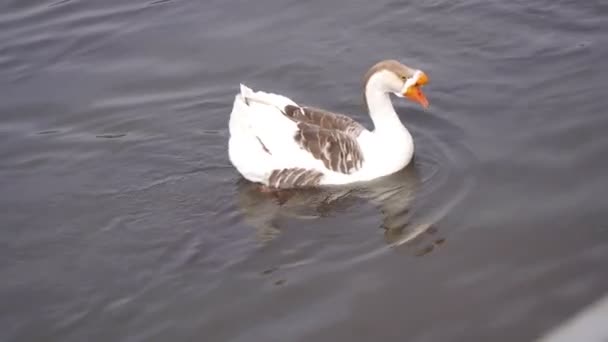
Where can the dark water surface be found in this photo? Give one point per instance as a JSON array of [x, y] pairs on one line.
[[122, 219]]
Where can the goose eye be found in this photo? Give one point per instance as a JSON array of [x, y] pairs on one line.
[[404, 78]]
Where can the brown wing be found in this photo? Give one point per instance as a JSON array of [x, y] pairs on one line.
[[324, 119], [294, 178], [339, 151]]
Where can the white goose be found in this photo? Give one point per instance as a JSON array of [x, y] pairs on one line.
[[280, 144]]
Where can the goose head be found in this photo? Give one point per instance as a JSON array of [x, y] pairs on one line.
[[391, 76]]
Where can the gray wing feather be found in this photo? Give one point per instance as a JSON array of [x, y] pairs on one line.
[[324, 119], [294, 178], [339, 151]]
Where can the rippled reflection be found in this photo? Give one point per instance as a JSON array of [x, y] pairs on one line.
[[393, 196]]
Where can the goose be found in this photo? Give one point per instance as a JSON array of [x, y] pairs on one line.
[[280, 144]]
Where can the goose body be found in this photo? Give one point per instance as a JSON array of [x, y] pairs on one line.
[[281, 144]]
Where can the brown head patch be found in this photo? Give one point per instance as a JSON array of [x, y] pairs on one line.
[[391, 65], [398, 68]]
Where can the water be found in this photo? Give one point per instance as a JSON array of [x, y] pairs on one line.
[[122, 219]]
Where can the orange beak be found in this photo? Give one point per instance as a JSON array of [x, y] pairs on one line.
[[414, 92]]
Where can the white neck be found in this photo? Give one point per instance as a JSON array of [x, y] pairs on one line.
[[381, 108], [391, 146]]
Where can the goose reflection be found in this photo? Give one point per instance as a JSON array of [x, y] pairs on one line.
[[393, 196]]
